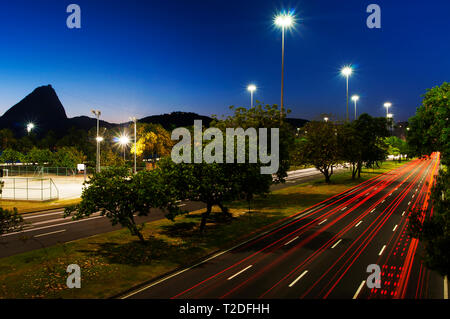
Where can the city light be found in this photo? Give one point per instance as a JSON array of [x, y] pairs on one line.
[[251, 88], [284, 20], [123, 140], [347, 71], [387, 105], [99, 139], [326, 119], [30, 127], [355, 99]]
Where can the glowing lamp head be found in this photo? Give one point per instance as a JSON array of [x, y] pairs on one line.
[[251, 88], [284, 20], [99, 139], [387, 104], [390, 115], [124, 140], [346, 71], [30, 127], [326, 119], [355, 98]]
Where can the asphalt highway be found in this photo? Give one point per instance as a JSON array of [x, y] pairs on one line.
[[324, 251]]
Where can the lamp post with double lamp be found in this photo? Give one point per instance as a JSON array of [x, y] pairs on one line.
[[355, 99], [284, 21], [347, 71], [133, 119], [387, 105], [98, 138], [251, 88]]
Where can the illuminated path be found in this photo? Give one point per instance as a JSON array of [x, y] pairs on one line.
[[323, 252]]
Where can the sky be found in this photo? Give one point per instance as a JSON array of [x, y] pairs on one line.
[[140, 58]]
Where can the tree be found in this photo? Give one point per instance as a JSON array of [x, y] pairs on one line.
[[152, 139], [350, 150], [7, 139], [396, 146], [38, 156], [10, 221], [120, 196], [318, 146], [371, 134], [11, 156], [68, 157], [218, 183], [429, 131]]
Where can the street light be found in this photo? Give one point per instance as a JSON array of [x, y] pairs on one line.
[[347, 71], [284, 21], [387, 105], [98, 138], [133, 119], [251, 88], [355, 99], [326, 119], [30, 127], [124, 141]]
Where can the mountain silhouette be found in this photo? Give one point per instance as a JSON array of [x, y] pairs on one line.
[[43, 108]]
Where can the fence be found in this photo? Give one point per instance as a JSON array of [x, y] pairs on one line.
[[29, 188]]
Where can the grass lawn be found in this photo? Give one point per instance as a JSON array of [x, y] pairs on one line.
[[113, 262], [30, 206]]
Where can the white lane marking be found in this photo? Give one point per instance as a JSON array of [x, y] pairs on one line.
[[53, 232], [372, 210], [291, 241], [42, 215], [358, 223], [395, 228], [390, 194], [181, 205], [383, 201], [45, 227], [298, 278], [323, 221], [216, 255], [337, 243], [403, 213], [344, 208], [409, 203], [359, 289], [413, 196], [239, 272], [445, 287], [381, 251]]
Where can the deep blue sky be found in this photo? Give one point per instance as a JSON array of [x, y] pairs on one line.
[[151, 57]]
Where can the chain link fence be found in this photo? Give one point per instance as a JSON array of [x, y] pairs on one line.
[[29, 189]]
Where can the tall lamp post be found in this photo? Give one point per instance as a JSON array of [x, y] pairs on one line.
[[97, 113], [347, 71], [251, 88], [133, 119], [284, 21], [355, 99]]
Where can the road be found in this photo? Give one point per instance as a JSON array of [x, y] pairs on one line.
[[45, 229], [324, 252]]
